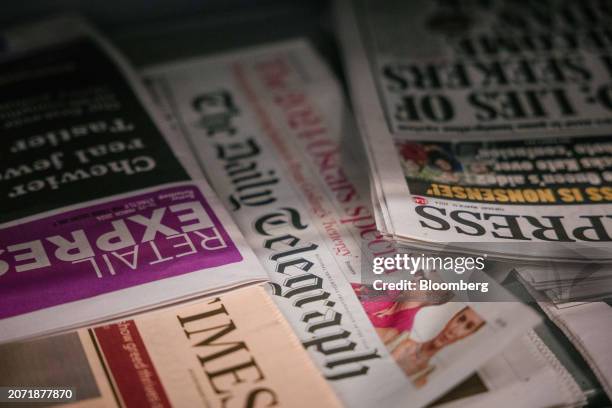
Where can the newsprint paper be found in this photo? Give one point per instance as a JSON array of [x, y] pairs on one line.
[[103, 210], [235, 350], [525, 374], [585, 323], [587, 326], [487, 124], [267, 125]]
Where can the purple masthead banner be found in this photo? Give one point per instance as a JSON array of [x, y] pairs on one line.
[[108, 247]]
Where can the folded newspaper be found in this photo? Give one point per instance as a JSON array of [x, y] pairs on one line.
[[560, 283], [271, 130], [103, 210], [525, 374], [487, 124], [586, 325], [235, 350]]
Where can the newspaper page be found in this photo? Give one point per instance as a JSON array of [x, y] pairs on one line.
[[541, 277], [103, 210], [485, 122], [585, 292], [525, 374], [268, 125], [235, 350], [587, 326], [563, 283]]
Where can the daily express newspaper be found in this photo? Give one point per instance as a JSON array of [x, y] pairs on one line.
[[235, 350], [103, 210], [268, 126], [486, 122]]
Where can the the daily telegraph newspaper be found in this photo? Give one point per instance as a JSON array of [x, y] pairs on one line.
[[268, 125], [103, 210], [235, 350], [486, 122]]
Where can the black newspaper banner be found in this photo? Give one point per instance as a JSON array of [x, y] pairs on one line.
[[72, 130]]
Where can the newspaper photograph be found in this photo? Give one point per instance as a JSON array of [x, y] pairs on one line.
[[103, 210], [445, 125], [268, 126], [235, 350], [554, 192]]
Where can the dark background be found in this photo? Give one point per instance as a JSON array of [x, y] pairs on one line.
[[151, 31]]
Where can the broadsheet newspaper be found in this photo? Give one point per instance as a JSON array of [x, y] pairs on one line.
[[267, 125], [235, 350], [486, 122], [103, 210]]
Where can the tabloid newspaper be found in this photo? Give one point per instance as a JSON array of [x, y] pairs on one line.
[[235, 350], [270, 128], [103, 210], [487, 124]]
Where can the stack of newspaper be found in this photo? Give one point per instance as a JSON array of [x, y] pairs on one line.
[[486, 124], [487, 128], [106, 217], [270, 126], [559, 283], [135, 207], [104, 212]]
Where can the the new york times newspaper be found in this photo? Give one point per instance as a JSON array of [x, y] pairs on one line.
[[486, 122], [269, 127]]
